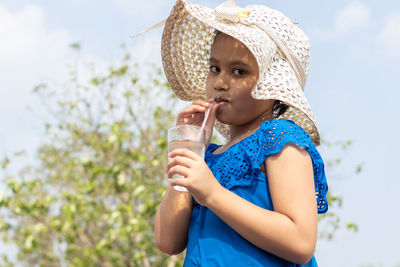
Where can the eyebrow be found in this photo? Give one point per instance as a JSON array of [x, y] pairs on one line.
[[235, 62]]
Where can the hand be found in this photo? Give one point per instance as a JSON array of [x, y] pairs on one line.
[[194, 115], [199, 180]]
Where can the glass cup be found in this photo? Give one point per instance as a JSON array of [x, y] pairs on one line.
[[191, 137]]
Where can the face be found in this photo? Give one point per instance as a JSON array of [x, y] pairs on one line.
[[232, 75]]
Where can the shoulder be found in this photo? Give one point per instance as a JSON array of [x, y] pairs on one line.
[[286, 136], [275, 134], [284, 143], [288, 144], [282, 127]]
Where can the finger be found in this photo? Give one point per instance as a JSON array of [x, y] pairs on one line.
[[191, 109], [211, 100], [199, 105], [184, 152], [196, 109], [202, 103], [191, 115], [194, 113], [181, 182], [179, 160], [179, 170]]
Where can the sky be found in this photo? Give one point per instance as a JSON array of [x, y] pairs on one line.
[[353, 89]]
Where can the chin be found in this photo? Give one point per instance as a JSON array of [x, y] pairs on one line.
[[223, 120], [227, 120]]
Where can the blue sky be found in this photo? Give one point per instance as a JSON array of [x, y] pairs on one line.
[[353, 88]]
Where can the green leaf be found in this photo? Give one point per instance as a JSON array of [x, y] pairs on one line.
[[75, 46], [5, 162], [352, 226], [95, 81], [138, 190], [28, 244], [359, 167], [121, 179], [39, 87]]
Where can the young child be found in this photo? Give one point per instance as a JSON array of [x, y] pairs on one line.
[[253, 201]]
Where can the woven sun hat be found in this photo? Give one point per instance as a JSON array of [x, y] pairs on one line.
[[281, 49]]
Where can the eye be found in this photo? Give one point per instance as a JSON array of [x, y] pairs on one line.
[[239, 72], [214, 69]]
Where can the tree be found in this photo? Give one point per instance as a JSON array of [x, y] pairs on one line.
[[100, 176]]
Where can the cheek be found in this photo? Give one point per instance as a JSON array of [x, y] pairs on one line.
[[244, 91], [209, 93], [248, 83], [265, 106], [209, 90]]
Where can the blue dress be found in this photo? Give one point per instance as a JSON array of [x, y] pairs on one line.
[[211, 242]]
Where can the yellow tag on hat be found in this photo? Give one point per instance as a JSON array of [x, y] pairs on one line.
[[230, 11]]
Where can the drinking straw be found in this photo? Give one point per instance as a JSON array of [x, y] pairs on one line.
[[206, 117]]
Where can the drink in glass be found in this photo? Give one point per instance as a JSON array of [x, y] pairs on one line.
[[191, 137]]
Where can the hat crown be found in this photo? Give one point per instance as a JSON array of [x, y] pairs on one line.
[[282, 31], [286, 29], [290, 41]]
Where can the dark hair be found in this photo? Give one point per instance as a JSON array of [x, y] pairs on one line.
[[279, 108]]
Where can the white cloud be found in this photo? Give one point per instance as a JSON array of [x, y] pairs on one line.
[[354, 16], [29, 53], [389, 36], [26, 46]]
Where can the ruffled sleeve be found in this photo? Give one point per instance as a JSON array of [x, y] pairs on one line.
[[274, 135]]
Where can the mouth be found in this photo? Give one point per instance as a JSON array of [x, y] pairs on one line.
[[219, 99]]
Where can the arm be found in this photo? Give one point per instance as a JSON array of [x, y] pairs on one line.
[[290, 230], [172, 221], [174, 213]]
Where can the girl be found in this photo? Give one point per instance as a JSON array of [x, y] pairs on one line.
[[253, 201]]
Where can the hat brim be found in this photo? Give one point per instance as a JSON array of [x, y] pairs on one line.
[[186, 44]]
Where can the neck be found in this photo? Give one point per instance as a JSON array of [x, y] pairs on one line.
[[240, 132]]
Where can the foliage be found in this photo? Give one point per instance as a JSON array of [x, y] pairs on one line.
[[330, 222], [93, 196]]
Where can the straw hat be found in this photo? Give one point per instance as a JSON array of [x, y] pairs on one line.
[[281, 48]]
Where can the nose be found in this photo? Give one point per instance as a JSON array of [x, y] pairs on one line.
[[221, 82]]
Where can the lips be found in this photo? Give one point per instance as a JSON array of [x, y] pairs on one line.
[[219, 99]]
